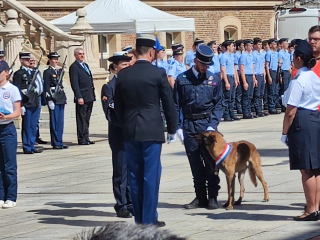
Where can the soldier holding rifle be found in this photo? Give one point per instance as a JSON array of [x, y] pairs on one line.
[[56, 99]]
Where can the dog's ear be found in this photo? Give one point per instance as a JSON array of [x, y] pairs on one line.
[[219, 133], [210, 139], [198, 138]]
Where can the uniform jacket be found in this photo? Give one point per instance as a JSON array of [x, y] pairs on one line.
[[139, 90], [81, 83], [22, 79], [108, 105], [51, 78], [194, 96]]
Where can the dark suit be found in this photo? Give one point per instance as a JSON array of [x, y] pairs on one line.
[[120, 184], [83, 87], [137, 104]]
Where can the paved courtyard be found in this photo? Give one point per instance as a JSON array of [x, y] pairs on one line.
[[63, 192]]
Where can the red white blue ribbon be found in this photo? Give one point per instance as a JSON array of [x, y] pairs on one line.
[[223, 155]]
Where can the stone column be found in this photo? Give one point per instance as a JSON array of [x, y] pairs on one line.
[[48, 40], [27, 26], [12, 35], [37, 39], [83, 28]]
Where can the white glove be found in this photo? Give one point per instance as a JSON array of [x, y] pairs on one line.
[[284, 139], [51, 105], [180, 135], [23, 111], [171, 138], [210, 129]]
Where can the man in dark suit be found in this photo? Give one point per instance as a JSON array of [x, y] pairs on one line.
[[83, 88], [120, 184], [138, 93]]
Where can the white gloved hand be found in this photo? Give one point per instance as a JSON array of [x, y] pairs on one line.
[[180, 135], [23, 111], [284, 139], [51, 105], [171, 138], [210, 129]]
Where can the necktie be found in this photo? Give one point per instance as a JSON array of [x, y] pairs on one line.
[[86, 68], [199, 76]]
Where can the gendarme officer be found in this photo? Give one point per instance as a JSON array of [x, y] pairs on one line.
[[30, 105], [56, 100], [199, 95]]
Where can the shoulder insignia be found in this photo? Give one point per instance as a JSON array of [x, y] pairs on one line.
[[54, 75]]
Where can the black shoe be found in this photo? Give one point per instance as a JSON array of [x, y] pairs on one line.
[[274, 112], [40, 141], [124, 213], [90, 142], [27, 152], [83, 143], [130, 209], [60, 147], [260, 114], [195, 204], [213, 204], [235, 118], [247, 117], [37, 150], [255, 116], [228, 119], [283, 109], [160, 224], [311, 217]]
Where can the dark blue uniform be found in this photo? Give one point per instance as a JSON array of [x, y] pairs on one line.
[[22, 79], [51, 78], [200, 100], [120, 183]]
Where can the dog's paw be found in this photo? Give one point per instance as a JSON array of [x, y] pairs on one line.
[[229, 208]]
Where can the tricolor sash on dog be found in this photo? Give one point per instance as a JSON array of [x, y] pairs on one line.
[[223, 155]]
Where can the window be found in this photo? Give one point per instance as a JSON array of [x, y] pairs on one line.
[[229, 28], [231, 32]]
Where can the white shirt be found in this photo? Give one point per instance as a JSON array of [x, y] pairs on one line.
[[304, 91], [9, 94]]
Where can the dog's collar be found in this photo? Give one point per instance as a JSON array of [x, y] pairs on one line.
[[223, 155]]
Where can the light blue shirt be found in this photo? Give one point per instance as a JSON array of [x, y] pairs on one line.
[[286, 57], [259, 60], [176, 68], [215, 68], [170, 60], [272, 58], [161, 64], [291, 56], [189, 59], [246, 59], [227, 60], [237, 56]]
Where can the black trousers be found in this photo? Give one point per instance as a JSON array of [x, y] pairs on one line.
[[206, 183], [120, 181], [83, 114]]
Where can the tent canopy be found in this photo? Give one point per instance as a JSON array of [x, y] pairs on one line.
[[126, 16]]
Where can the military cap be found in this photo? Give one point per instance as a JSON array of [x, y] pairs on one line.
[[197, 41], [248, 41], [4, 66], [1, 53], [227, 43], [204, 54], [24, 55], [304, 47], [177, 46], [257, 40], [53, 55], [119, 56], [127, 49], [146, 40], [293, 42], [283, 40], [178, 51]]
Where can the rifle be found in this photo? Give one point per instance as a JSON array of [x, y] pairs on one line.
[[32, 86], [58, 87], [12, 66], [279, 71]]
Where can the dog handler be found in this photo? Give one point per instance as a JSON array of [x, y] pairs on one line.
[[301, 127], [199, 95], [10, 108]]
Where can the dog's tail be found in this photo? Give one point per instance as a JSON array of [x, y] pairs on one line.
[[252, 174]]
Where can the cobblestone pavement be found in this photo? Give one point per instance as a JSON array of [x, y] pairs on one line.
[[63, 192]]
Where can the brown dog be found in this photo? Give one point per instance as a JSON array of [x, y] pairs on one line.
[[233, 159]]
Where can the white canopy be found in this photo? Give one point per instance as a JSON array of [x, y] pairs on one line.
[[126, 16]]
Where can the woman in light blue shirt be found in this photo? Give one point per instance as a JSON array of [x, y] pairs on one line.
[[301, 127]]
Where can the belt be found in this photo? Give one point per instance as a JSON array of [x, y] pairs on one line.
[[250, 75], [197, 116], [261, 75], [6, 125]]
